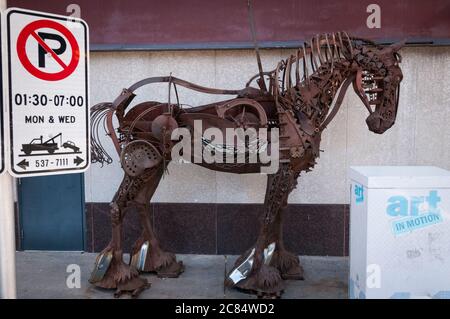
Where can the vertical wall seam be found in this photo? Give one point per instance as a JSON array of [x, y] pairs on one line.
[[217, 229], [346, 162], [416, 80], [215, 173], [92, 227]]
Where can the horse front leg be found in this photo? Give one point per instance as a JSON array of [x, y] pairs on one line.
[[147, 255], [286, 262], [256, 270]]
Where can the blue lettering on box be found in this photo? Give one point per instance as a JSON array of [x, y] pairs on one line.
[[354, 290], [359, 193], [412, 223], [407, 295], [410, 217]]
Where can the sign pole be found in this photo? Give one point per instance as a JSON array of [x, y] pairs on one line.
[[7, 239]]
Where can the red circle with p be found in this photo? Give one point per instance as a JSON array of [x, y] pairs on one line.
[[30, 30]]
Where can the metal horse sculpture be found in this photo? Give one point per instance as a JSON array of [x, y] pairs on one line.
[[297, 98]]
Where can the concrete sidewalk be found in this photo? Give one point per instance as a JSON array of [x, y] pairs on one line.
[[44, 274]]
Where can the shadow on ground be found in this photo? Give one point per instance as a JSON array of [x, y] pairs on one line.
[[44, 274]]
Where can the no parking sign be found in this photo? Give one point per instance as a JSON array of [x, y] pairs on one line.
[[47, 59]]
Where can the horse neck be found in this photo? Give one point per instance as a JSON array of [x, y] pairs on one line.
[[318, 91]]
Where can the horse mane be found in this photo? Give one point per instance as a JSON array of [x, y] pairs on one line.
[[320, 54]]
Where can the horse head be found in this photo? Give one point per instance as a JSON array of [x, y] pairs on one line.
[[377, 83]]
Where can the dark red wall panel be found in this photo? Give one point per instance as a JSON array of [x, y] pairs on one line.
[[188, 24]]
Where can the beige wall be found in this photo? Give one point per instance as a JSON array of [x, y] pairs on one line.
[[421, 135]]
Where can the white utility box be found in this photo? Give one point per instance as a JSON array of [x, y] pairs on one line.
[[399, 232]]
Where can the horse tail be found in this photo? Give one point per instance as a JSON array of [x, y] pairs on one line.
[[99, 118]]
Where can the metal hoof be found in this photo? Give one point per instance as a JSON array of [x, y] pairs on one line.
[[263, 295], [173, 271], [135, 293], [293, 276]]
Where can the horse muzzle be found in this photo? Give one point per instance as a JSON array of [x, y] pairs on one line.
[[377, 124]]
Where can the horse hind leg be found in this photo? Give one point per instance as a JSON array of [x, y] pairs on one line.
[[140, 161], [146, 254], [110, 271]]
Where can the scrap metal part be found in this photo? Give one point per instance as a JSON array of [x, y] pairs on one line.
[[139, 155], [101, 266], [243, 269]]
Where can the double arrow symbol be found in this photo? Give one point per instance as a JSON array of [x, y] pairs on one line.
[[24, 163]]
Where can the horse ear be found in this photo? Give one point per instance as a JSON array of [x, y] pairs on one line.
[[395, 47]]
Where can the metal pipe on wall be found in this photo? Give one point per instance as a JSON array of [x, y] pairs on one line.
[[7, 229]]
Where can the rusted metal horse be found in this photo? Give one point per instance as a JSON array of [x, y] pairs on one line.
[[300, 97]]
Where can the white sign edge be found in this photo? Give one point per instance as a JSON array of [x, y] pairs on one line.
[[4, 125]]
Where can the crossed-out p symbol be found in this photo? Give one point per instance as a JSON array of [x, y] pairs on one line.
[[39, 71], [43, 51]]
